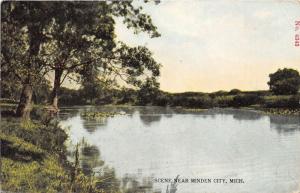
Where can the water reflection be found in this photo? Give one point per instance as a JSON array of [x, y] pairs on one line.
[[90, 158], [101, 177], [136, 183], [93, 166], [149, 119], [92, 125], [285, 124], [150, 115], [68, 112], [247, 115], [217, 143], [238, 114]]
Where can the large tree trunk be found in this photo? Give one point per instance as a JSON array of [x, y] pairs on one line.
[[56, 86], [24, 108], [25, 105]]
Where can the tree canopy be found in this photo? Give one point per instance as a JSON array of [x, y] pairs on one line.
[[284, 81], [72, 40]]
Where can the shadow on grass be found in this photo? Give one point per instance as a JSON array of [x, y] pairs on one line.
[[9, 150]]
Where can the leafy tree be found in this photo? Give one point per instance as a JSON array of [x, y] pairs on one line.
[[67, 38], [10, 85], [71, 96], [91, 90], [21, 36], [149, 91], [284, 82], [127, 95], [41, 91], [77, 46]]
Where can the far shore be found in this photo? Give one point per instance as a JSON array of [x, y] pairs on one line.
[[268, 111]]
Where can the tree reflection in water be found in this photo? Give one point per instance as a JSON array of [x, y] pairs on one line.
[[92, 125], [285, 124], [93, 166], [136, 183], [151, 115], [99, 175], [90, 158], [67, 112]]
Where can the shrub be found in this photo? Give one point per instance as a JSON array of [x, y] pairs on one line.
[[242, 100], [223, 101], [234, 92], [284, 81], [288, 101]]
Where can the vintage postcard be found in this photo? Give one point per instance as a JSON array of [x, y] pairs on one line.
[[150, 96]]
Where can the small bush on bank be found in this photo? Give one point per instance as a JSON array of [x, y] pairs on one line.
[[194, 102], [234, 92], [243, 100], [223, 101], [287, 101]]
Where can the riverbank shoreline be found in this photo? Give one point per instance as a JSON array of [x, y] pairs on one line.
[[264, 110], [34, 158], [267, 111]]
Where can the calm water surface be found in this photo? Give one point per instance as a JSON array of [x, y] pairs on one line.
[[155, 142]]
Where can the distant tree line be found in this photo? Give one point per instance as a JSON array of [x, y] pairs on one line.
[[283, 93], [279, 95]]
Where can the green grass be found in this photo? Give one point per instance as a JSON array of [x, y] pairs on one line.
[[18, 144], [34, 177], [27, 164], [34, 160]]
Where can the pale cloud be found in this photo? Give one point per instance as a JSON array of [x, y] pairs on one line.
[[263, 14], [219, 45]]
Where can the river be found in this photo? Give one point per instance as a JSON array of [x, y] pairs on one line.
[[262, 151]]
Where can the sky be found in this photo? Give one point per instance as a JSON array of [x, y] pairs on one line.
[[212, 45]]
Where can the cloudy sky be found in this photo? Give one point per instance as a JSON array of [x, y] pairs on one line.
[[211, 45]]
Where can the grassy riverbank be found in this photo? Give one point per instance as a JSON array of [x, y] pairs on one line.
[[280, 111], [34, 160]]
